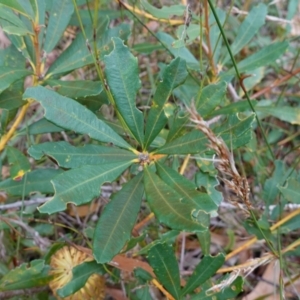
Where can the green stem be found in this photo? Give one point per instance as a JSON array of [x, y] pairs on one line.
[[239, 75]]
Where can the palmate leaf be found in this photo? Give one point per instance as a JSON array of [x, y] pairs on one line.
[[123, 79], [60, 16], [163, 261], [185, 188], [207, 267], [114, 227], [169, 206], [193, 142], [68, 156], [34, 181], [173, 76], [81, 185], [69, 114]]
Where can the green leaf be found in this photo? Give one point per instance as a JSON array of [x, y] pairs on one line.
[[182, 52], [229, 292], [165, 12], [163, 261], [186, 35], [81, 274], [35, 181], [133, 242], [19, 163], [101, 14], [173, 76], [69, 114], [209, 183], [204, 237], [169, 237], [16, 30], [291, 190], [264, 57], [193, 142], [237, 131], [210, 97], [77, 54], [250, 26], [9, 75], [13, 21], [185, 188], [121, 71], [270, 190], [11, 99], [168, 206], [187, 91], [24, 276], [215, 34], [146, 48], [178, 125], [18, 45], [143, 293], [283, 113], [20, 8], [60, 16], [233, 108], [11, 57], [43, 126], [81, 185], [76, 88], [6, 117], [116, 222], [207, 267], [68, 156]]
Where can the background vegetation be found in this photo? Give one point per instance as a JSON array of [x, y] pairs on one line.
[[149, 150]]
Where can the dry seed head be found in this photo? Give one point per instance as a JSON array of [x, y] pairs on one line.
[[62, 264], [226, 164]]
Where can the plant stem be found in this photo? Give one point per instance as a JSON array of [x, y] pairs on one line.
[[254, 239], [240, 78]]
